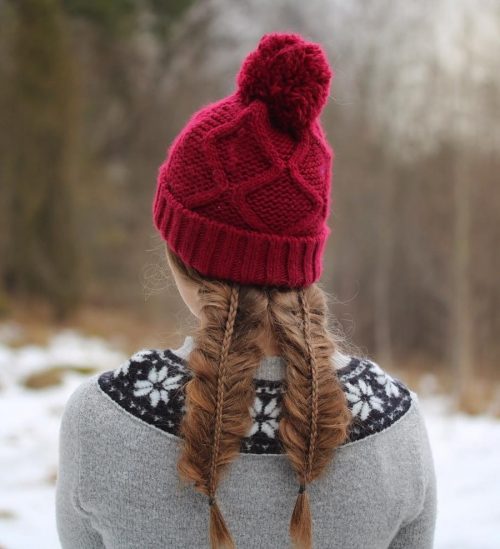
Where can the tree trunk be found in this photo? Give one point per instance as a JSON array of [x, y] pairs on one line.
[[461, 340], [383, 295]]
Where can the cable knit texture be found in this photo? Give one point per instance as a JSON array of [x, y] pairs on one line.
[[244, 193], [118, 488]]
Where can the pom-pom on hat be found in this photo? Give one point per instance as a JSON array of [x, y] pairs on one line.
[[290, 76], [244, 193]]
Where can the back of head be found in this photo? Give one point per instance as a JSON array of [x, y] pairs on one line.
[[242, 202]]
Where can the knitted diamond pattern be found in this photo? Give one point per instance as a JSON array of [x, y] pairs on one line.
[[233, 166]]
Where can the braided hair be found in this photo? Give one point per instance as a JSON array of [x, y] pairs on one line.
[[219, 395]]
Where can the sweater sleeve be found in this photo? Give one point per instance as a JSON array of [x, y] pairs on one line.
[[74, 525], [418, 533]]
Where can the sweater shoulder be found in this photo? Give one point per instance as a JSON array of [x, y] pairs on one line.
[[377, 398], [150, 386]]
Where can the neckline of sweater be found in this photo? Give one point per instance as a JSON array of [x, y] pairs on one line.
[[272, 367]]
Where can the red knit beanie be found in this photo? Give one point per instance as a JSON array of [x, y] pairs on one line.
[[244, 194]]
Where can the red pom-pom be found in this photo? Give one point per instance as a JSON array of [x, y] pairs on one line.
[[290, 75]]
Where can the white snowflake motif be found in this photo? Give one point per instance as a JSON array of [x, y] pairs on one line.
[[385, 380], [140, 356], [363, 399], [122, 369], [264, 417], [157, 386]]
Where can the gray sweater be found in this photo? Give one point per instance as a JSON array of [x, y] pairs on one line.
[[117, 485]]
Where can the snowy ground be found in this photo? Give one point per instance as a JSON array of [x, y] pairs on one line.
[[466, 449]]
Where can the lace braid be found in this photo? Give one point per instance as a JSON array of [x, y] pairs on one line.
[[315, 416], [219, 533], [220, 392], [314, 382]]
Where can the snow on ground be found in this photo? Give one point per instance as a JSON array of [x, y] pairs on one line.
[[467, 460], [29, 426], [466, 449]]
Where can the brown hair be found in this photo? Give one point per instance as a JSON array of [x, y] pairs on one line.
[[315, 416]]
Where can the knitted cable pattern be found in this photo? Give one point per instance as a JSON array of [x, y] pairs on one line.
[[244, 192]]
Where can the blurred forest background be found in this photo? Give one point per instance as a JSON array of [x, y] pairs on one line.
[[93, 91]]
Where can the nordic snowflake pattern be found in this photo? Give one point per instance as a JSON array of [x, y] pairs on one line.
[[150, 386], [363, 399], [157, 386], [265, 412], [264, 416]]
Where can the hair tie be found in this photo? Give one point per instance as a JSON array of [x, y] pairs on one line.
[[302, 488], [211, 500]]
